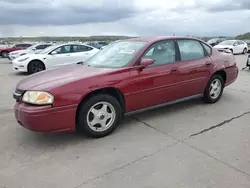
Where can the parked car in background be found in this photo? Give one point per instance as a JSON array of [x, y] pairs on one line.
[[248, 44], [53, 57], [124, 78], [215, 41], [248, 62], [97, 44], [235, 46], [4, 52], [32, 49]]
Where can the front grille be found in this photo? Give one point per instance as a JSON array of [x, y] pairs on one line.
[[17, 94]]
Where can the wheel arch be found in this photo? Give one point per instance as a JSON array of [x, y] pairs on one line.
[[36, 60], [115, 92], [222, 73]]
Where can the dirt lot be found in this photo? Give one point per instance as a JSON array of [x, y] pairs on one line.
[[189, 145]]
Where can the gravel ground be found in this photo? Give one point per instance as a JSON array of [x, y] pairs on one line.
[[187, 145]]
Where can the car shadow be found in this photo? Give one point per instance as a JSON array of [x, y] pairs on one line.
[[19, 73], [67, 139]]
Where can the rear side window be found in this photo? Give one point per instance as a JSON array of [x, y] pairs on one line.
[[190, 49], [81, 48], [241, 42]]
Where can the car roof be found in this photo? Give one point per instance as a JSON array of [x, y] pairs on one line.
[[158, 38]]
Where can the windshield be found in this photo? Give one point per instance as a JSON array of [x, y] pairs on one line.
[[46, 50], [227, 42], [116, 55], [31, 47]]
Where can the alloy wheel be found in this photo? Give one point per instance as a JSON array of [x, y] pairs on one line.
[[215, 89], [101, 116]]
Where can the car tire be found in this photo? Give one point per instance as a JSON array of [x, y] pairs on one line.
[[232, 51], [35, 66], [213, 92], [99, 116], [244, 51], [4, 54]]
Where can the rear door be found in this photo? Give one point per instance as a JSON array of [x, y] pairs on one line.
[[195, 67]]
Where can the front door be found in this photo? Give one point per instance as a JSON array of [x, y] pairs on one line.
[[195, 67], [156, 83], [60, 58]]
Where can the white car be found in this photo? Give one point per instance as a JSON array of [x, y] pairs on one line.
[[235, 46], [53, 57], [32, 49]]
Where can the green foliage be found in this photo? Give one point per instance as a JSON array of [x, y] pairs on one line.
[[243, 36]]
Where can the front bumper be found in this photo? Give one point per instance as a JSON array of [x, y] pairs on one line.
[[46, 118], [19, 66]]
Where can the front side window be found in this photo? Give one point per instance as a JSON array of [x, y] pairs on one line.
[[117, 55], [162, 52], [63, 49], [190, 50]]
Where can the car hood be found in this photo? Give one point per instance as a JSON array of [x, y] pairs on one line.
[[50, 79], [222, 46], [31, 56], [19, 52]]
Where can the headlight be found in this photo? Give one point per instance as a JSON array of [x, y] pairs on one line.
[[20, 60], [23, 54], [38, 97]]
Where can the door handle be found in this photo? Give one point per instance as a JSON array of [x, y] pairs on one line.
[[208, 63], [174, 69]]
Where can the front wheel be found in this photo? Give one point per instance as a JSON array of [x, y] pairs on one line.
[[35, 66], [5, 54], [99, 116], [214, 89]]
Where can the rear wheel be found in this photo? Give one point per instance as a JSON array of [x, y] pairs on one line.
[[214, 89], [35, 66], [99, 116], [5, 54], [244, 51]]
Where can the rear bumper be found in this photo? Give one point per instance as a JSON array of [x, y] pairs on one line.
[[232, 75], [46, 118]]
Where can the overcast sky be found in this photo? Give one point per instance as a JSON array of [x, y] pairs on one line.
[[123, 17]]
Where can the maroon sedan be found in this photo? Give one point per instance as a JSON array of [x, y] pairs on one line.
[[4, 52], [125, 77]]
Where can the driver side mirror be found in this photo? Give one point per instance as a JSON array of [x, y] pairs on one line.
[[146, 62], [53, 53], [34, 49], [235, 44]]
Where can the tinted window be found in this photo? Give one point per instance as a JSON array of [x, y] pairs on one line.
[[63, 49], [162, 52], [19, 45], [240, 42], [80, 48], [43, 46], [23, 45], [190, 50], [207, 49]]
